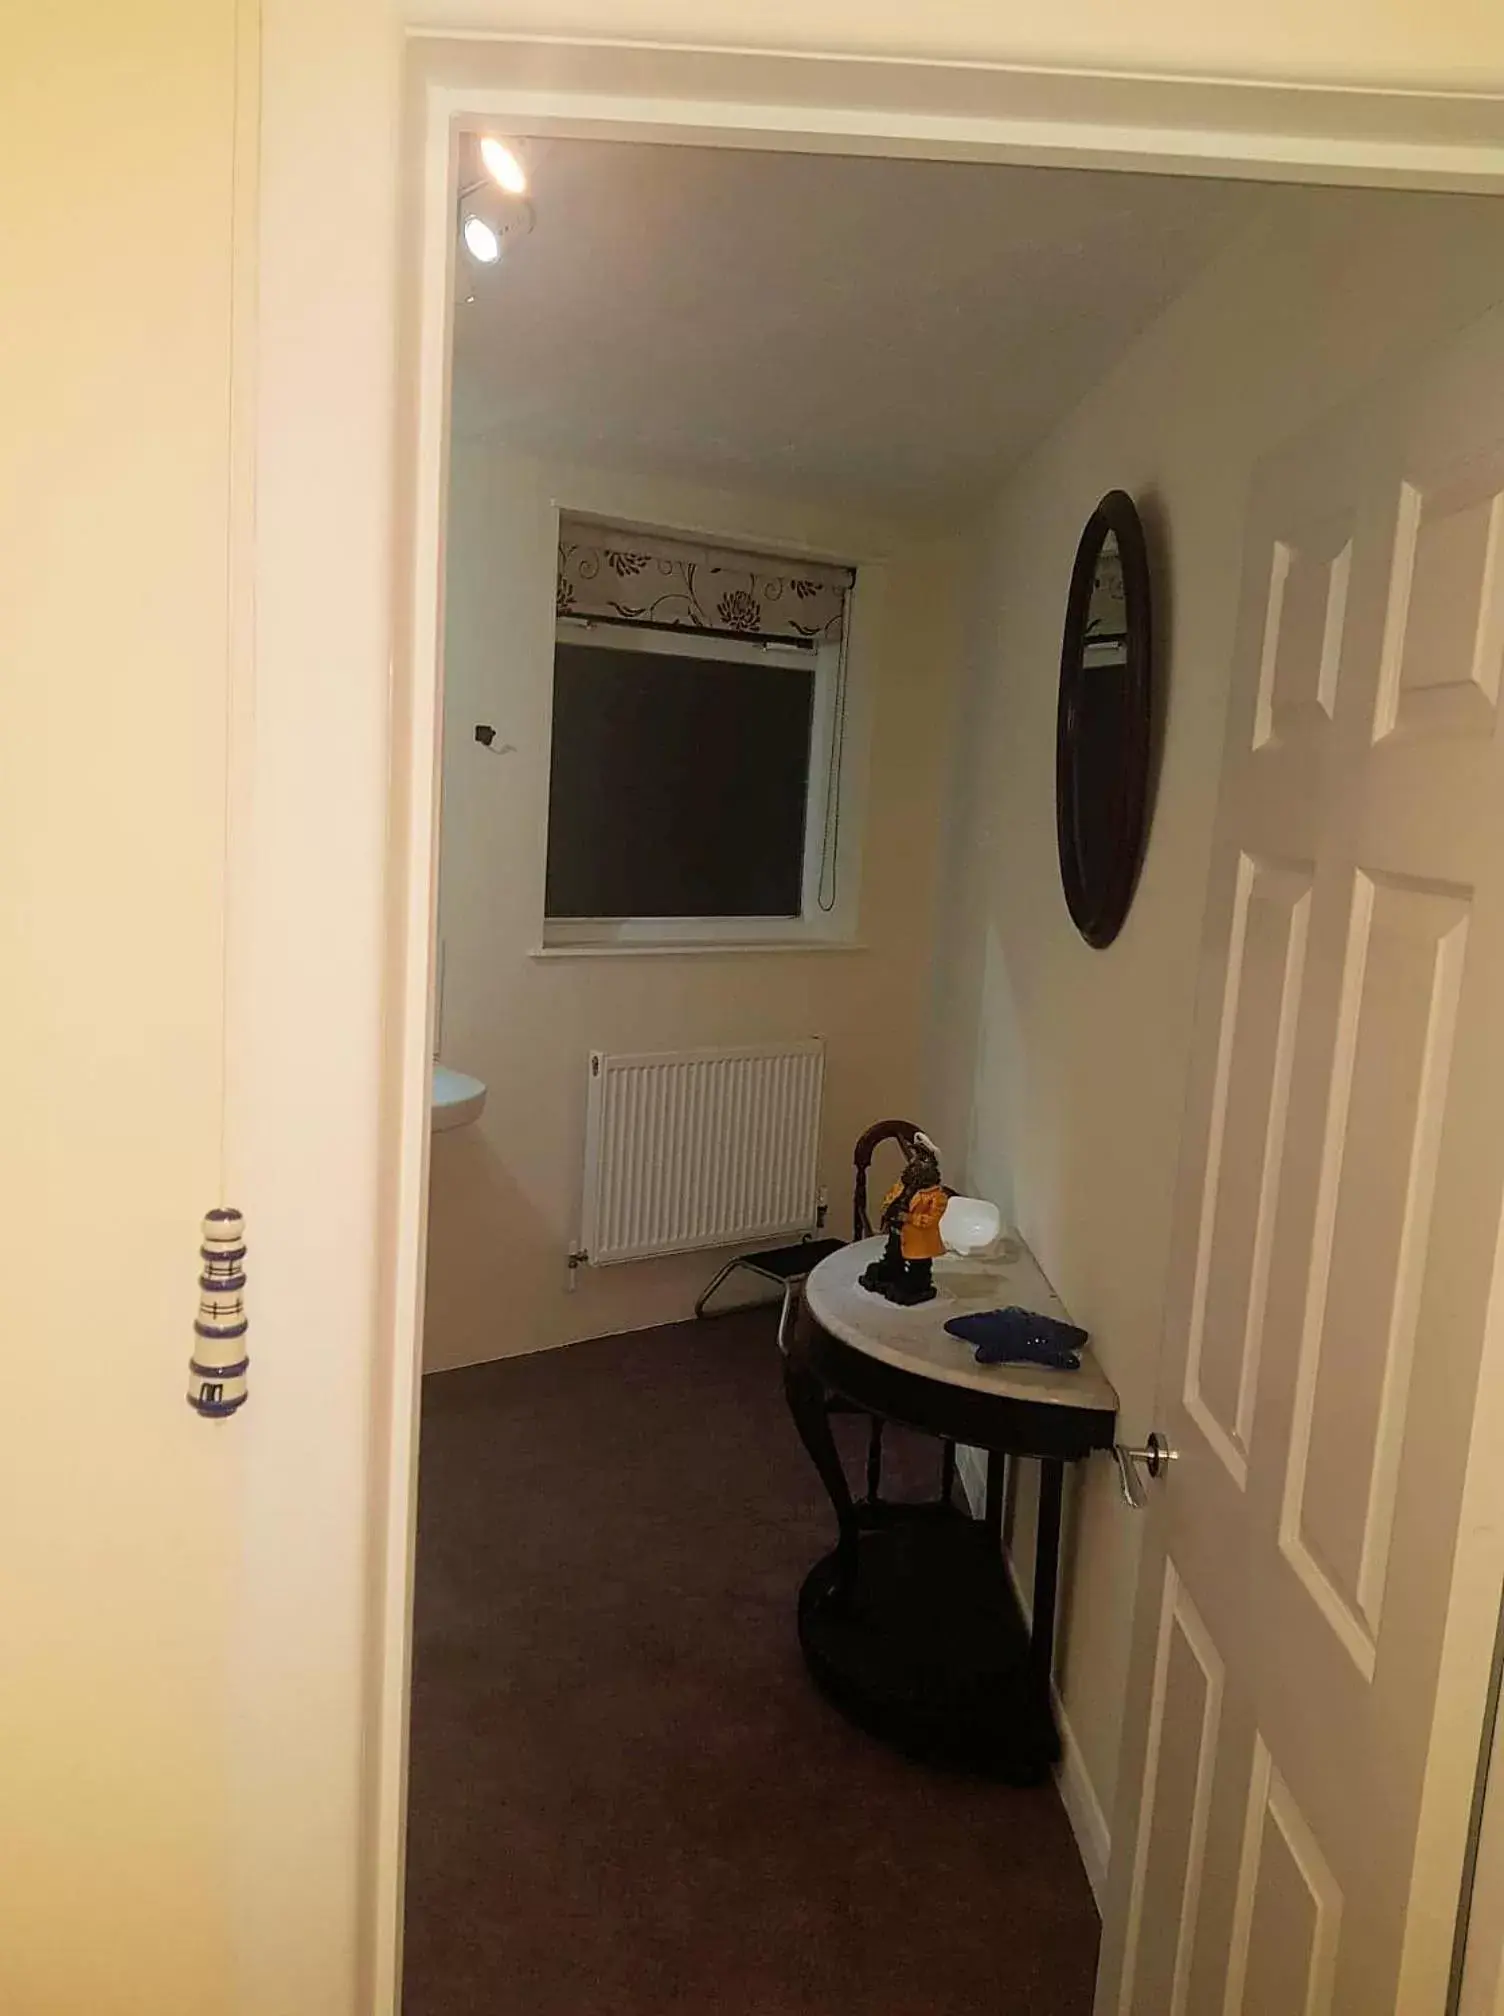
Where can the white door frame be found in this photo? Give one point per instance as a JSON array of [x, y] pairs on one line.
[[746, 98]]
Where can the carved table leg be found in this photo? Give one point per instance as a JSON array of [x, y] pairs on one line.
[[997, 1480], [806, 1396], [1046, 1572]]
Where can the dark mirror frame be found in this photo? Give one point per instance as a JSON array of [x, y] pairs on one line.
[[1104, 790]]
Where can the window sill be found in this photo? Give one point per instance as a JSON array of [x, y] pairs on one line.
[[696, 948]]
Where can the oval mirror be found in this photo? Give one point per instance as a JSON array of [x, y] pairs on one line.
[[1104, 725]]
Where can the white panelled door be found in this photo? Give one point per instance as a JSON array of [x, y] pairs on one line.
[[1321, 1575]]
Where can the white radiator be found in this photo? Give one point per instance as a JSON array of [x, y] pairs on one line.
[[700, 1148]]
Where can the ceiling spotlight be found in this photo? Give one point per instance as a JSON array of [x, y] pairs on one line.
[[503, 166], [481, 242]]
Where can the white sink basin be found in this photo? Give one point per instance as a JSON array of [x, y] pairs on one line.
[[457, 1098]]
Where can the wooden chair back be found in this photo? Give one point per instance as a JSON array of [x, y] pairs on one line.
[[901, 1131]]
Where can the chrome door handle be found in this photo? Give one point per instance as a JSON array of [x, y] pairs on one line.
[[1155, 1457]]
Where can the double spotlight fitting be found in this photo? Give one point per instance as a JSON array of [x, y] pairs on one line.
[[485, 228]]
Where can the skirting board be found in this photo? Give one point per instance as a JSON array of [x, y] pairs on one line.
[[1077, 1793]]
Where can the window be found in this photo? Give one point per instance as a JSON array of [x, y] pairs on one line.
[[695, 772]]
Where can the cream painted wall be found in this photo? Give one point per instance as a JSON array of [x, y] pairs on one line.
[[174, 1595], [119, 1508], [1063, 1068], [190, 1642], [505, 1192]]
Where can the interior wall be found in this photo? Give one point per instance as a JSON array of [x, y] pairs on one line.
[[1063, 1068], [138, 1554], [505, 1191], [118, 1505]]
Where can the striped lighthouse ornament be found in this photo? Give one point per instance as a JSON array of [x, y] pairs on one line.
[[217, 1369]]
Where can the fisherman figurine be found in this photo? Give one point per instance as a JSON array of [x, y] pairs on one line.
[[911, 1216]]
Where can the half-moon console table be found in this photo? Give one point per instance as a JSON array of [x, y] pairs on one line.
[[910, 1624]]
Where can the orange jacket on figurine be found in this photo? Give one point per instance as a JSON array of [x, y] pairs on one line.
[[919, 1233]]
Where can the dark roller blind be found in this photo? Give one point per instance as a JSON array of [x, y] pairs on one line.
[[677, 785]]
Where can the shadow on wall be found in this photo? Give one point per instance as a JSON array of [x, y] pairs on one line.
[[1060, 1066], [482, 1226], [1158, 542]]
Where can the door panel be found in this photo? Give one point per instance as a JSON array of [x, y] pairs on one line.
[[1287, 1909], [1310, 1648], [1446, 617], [1186, 1703], [1265, 971], [1304, 615], [1396, 1016]]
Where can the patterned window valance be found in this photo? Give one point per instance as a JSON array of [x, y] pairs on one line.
[[621, 576]]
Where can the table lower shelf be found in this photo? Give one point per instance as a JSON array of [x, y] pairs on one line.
[[929, 1650]]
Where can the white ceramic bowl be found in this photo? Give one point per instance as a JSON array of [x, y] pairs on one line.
[[970, 1224]]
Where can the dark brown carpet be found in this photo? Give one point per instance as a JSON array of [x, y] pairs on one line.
[[627, 1798]]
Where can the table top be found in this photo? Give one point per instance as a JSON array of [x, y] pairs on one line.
[[917, 1341]]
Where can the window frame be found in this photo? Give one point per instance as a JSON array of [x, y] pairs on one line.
[[831, 788]]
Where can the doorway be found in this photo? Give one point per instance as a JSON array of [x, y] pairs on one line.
[[707, 476]]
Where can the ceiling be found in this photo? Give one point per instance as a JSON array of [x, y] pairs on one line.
[[891, 331]]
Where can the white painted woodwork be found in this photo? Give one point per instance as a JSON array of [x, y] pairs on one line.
[[327, 91], [1314, 1614], [1481, 1982]]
